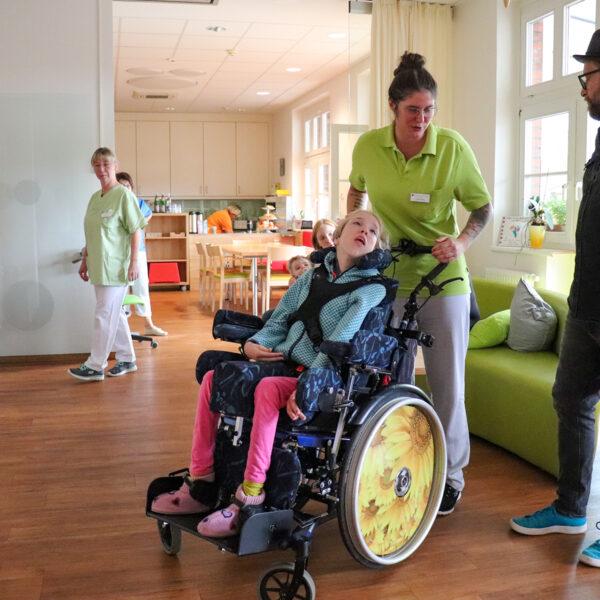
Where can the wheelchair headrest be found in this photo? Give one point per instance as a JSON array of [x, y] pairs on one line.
[[378, 259]]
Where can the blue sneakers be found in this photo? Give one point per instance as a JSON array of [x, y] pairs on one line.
[[548, 520], [591, 555]]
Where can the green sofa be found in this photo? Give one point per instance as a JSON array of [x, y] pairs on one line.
[[508, 394]]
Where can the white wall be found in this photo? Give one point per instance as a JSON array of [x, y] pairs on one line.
[[55, 109]]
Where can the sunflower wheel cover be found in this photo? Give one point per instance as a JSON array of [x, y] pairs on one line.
[[392, 481]]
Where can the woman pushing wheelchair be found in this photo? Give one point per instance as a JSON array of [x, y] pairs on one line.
[[283, 339]]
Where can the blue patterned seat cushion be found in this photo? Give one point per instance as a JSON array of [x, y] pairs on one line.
[[283, 476], [234, 384]]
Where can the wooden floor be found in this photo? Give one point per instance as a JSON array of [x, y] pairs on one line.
[[76, 459]]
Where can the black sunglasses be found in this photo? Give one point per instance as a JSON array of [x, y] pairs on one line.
[[583, 77]]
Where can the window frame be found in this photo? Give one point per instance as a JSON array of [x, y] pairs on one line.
[[560, 94]]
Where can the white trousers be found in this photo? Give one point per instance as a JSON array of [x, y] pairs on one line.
[[110, 328], [447, 319], [141, 287]]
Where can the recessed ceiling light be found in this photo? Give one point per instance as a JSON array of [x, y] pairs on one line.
[[293, 69], [169, 108], [162, 83], [144, 71], [336, 36], [262, 93], [216, 28], [187, 72]]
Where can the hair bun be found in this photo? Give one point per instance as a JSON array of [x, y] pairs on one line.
[[411, 61]]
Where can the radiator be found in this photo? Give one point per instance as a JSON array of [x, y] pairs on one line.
[[509, 275]]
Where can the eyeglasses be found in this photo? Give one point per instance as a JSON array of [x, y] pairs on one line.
[[415, 111], [583, 77]]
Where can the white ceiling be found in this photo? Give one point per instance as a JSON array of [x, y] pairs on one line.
[[265, 37], [223, 71]]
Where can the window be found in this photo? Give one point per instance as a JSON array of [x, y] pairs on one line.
[[317, 136], [557, 136]]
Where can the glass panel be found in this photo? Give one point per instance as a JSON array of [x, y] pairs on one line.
[[315, 133], [540, 50], [324, 179], [580, 23], [325, 130], [546, 144], [306, 136], [546, 163]]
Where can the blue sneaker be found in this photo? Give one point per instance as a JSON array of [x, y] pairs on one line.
[[548, 520], [591, 555]]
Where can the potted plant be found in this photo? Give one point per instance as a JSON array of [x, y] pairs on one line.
[[538, 222], [557, 208]]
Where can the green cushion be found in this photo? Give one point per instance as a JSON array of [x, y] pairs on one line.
[[491, 331], [132, 299]]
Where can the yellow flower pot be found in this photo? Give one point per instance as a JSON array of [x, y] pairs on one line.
[[536, 235]]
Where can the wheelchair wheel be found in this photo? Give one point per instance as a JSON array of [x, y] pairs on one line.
[[392, 480], [170, 537], [274, 583]]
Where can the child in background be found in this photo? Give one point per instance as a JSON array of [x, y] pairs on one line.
[[322, 234], [296, 266]]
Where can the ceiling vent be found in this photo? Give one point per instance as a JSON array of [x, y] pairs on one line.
[[179, 1], [138, 96]]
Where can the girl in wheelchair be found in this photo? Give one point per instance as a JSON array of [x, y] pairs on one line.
[[282, 340]]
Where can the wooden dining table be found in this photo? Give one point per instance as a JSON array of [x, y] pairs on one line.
[[254, 252]]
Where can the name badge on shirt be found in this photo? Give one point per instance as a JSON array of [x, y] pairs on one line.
[[419, 198], [107, 214]]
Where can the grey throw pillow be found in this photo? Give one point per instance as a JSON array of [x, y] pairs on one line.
[[532, 320]]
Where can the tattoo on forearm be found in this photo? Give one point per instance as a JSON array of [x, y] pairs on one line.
[[478, 219], [357, 199]]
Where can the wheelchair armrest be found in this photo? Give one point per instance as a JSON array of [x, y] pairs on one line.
[[337, 351], [237, 327]]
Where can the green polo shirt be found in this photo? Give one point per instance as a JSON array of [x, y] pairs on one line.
[[444, 171], [108, 224]]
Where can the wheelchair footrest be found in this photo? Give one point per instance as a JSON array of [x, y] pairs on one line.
[[265, 531]]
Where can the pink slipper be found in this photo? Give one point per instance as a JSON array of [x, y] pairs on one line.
[[178, 502], [226, 522]]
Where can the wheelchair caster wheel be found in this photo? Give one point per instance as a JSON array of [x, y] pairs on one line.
[[275, 584], [170, 537], [154, 344]]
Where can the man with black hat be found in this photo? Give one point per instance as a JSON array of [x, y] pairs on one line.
[[576, 388]]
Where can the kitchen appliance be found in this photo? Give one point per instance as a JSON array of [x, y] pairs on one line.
[[240, 225], [193, 221]]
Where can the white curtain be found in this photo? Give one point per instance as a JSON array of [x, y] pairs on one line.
[[401, 25]]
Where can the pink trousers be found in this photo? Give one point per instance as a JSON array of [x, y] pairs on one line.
[[271, 394]]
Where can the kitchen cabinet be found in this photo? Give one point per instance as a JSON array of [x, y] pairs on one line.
[[125, 147], [252, 163], [219, 160], [195, 159], [153, 158], [167, 242], [187, 159]]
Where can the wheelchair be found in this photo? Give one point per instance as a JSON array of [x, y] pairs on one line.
[[371, 453]]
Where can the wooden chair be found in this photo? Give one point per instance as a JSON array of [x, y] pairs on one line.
[[219, 275], [204, 272], [277, 252]]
